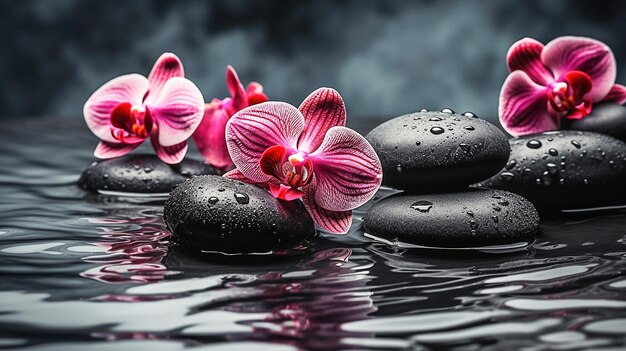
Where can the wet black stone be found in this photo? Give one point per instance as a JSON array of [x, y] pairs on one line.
[[606, 118], [427, 152], [140, 173], [212, 213], [571, 170], [478, 217]]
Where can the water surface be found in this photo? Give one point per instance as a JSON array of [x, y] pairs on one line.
[[91, 271]]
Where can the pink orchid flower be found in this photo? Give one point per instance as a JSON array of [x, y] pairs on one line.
[[306, 153], [210, 135], [165, 107], [561, 80]]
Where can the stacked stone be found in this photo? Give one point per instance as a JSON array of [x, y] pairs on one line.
[[435, 157]]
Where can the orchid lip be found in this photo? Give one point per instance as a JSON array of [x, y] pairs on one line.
[[568, 98]]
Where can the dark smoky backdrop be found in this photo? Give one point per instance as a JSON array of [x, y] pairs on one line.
[[385, 57]]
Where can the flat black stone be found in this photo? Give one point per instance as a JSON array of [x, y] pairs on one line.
[[565, 170], [427, 152], [140, 173], [606, 118], [479, 217], [215, 214]]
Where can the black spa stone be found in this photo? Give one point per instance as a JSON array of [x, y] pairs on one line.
[[215, 214], [431, 151], [605, 118], [466, 219], [139, 173], [565, 170]]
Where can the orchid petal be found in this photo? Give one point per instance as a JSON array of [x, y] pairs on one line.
[[236, 90], [166, 66], [254, 94], [178, 111], [254, 129], [617, 94], [106, 149], [209, 137], [235, 174], [129, 88], [591, 56], [523, 106], [525, 55], [322, 110], [169, 154], [347, 170], [336, 222]]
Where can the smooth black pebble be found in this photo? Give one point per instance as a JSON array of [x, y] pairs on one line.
[[140, 173], [605, 118], [565, 170], [431, 151], [215, 214], [475, 218]]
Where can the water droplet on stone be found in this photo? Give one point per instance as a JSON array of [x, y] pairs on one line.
[[435, 119], [221, 189], [147, 169], [465, 147], [417, 143], [399, 168], [423, 110], [213, 200], [561, 181], [242, 198], [470, 114], [436, 130], [511, 164], [468, 128], [185, 173], [422, 206], [553, 152], [470, 213], [473, 224], [552, 168], [447, 110], [576, 144], [507, 176], [586, 181], [533, 144]]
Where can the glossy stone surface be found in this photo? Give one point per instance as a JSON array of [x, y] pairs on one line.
[[606, 118], [215, 214], [465, 219], [140, 173], [431, 151], [565, 170]]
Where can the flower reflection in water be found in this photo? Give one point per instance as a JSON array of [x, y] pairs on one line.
[[133, 244], [328, 290]]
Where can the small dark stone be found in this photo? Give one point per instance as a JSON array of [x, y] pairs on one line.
[[215, 214], [140, 173], [474, 218], [432, 151], [571, 170], [605, 118]]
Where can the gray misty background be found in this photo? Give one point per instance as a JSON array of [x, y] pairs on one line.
[[385, 57]]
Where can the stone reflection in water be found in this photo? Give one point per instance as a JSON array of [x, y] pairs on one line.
[[304, 300], [131, 248]]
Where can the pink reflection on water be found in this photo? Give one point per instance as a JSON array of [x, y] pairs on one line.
[[134, 246], [310, 305]]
